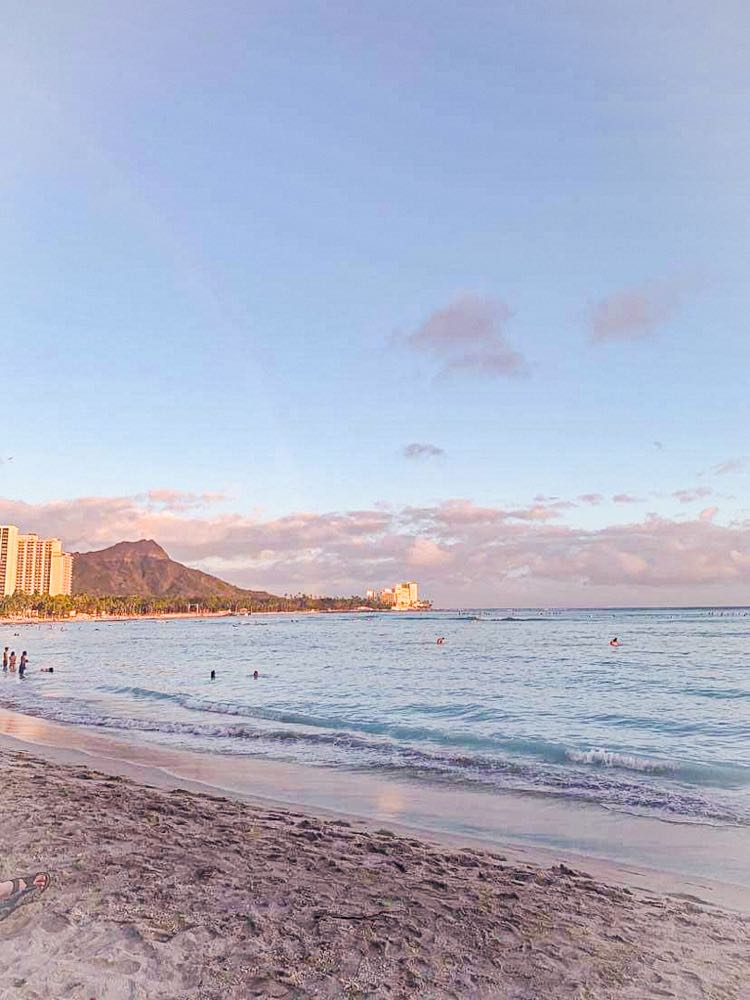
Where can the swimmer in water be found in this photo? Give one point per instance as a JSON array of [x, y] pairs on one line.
[[441, 640], [213, 675], [256, 675], [615, 642]]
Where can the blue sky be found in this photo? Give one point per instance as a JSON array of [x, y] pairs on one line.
[[225, 225]]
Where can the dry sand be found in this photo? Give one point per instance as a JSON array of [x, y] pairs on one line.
[[173, 894]]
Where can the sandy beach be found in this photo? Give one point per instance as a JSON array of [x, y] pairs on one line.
[[171, 893]]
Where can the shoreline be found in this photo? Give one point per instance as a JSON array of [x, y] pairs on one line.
[[169, 893], [371, 801], [151, 616]]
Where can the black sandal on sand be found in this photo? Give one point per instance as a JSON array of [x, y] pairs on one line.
[[24, 887]]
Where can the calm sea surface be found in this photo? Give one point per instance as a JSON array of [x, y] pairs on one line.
[[532, 701]]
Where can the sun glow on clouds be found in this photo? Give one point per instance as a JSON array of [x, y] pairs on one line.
[[461, 552]]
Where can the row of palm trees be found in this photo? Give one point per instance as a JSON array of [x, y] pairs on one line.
[[68, 605]]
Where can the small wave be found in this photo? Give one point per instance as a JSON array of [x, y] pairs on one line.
[[626, 761], [729, 694], [513, 618], [618, 781], [361, 735]]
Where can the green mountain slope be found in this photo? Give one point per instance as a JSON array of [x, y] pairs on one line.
[[144, 569]]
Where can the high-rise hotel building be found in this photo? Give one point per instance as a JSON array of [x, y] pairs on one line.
[[33, 565], [8, 559]]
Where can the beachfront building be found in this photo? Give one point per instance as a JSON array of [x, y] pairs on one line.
[[401, 597], [407, 595], [61, 573], [8, 559], [33, 565]]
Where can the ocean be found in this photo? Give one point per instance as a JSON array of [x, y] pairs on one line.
[[536, 702]]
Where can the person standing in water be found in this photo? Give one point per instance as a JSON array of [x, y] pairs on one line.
[[12, 662], [23, 664], [615, 642], [5, 660]]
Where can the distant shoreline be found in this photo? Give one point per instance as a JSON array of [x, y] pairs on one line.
[[150, 616], [82, 616]]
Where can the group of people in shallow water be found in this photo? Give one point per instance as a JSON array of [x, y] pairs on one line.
[[10, 661], [256, 675]]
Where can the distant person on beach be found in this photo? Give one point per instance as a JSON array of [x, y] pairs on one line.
[[12, 662], [615, 642], [23, 664], [5, 660]]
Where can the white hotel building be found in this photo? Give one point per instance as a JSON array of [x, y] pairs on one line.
[[33, 565]]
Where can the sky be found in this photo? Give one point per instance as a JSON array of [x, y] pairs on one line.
[[324, 295]]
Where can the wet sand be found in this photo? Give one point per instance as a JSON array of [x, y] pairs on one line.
[[174, 892]]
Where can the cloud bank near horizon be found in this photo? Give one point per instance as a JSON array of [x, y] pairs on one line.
[[461, 553]]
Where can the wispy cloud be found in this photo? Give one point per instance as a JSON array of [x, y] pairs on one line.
[[625, 498], [177, 500], [690, 496], [468, 335], [594, 499], [417, 450], [633, 313], [731, 465]]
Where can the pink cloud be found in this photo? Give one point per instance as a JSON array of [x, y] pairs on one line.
[[591, 498], [625, 498], [469, 335], [690, 496], [637, 312], [460, 552], [425, 552], [178, 500]]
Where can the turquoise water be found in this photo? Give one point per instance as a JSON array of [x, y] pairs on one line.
[[536, 702]]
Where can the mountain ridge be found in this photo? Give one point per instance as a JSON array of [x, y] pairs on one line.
[[144, 569]]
